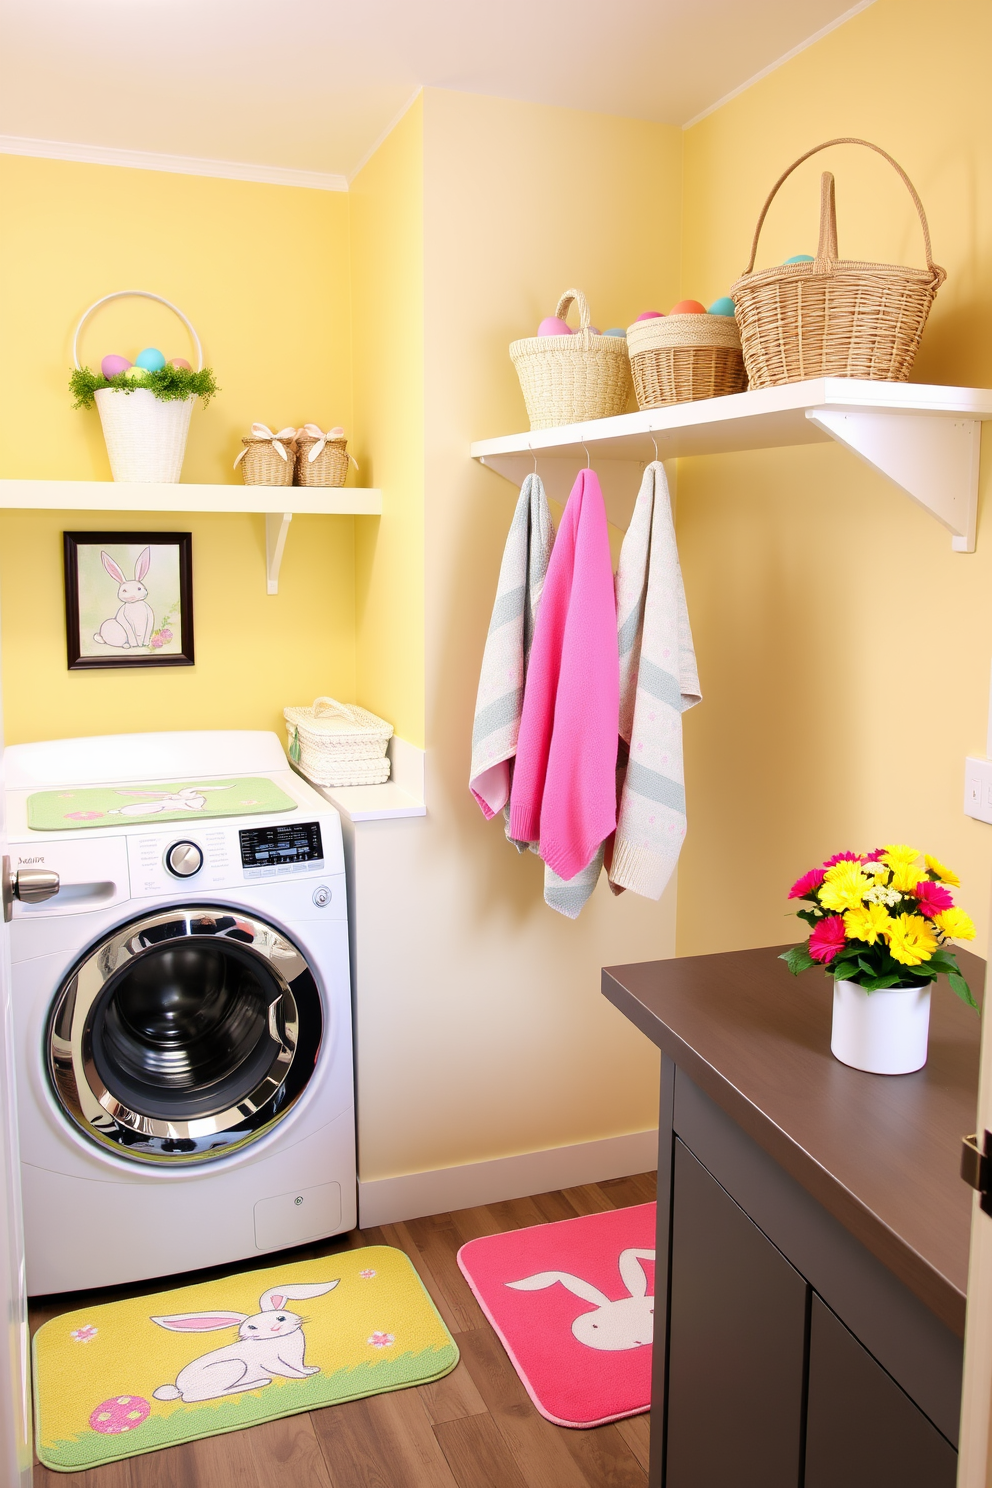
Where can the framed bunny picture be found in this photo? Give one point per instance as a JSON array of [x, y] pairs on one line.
[[128, 599]]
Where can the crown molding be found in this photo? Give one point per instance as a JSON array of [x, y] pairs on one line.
[[840, 20], [380, 139], [181, 165]]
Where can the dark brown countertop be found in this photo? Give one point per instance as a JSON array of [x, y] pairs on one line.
[[880, 1152]]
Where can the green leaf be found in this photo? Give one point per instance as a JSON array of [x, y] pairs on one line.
[[797, 960], [169, 384], [961, 988], [845, 971]]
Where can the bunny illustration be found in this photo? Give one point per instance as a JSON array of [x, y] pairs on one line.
[[269, 1343], [134, 622], [625, 1324], [190, 798]]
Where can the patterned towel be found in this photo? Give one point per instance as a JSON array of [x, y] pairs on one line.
[[658, 682], [504, 663]]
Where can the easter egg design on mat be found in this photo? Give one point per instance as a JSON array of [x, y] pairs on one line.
[[688, 307], [122, 1413], [113, 365], [552, 325], [151, 359], [723, 306]]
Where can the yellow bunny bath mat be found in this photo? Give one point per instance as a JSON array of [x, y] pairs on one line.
[[129, 1377]]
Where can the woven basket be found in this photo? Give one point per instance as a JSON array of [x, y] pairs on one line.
[[336, 743], [329, 467], [679, 358], [569, 379], [268, 459], [833, 317], [145, 437]]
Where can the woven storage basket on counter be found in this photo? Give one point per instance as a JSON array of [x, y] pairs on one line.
[[268, 459], [569, 379], [833, 317], [329, 465], [334, 743], [679, 358]]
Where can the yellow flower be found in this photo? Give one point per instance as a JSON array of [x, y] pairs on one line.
[[844, 886], [944, 875], [955, 924], [905, 876], [898, 852], [870, 923], [911, 939], [878, 871]]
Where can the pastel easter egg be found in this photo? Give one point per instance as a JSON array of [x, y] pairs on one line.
[[137, 374], [180, 362], [595, 330], [688, 307], [650, 315], [615, 331], [113, 365], [552, 325], [151, 359], [723, 306], [122, 1413], [800, 258]]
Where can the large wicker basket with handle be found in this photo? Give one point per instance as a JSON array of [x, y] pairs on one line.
[[833, 317], [568, 379], [334, 743], [679, 358]]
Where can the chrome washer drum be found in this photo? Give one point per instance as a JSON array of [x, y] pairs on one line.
[[185, 1035]]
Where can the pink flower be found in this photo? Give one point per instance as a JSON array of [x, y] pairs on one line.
[[366, 1275], [166, 634], [827, 939], [803, 887], [381, 1340], [932, 898], [83, 815], [84, 1334], [843, 857], [157, 641]]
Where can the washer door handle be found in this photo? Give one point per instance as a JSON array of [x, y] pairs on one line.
[[275, 1033], [30, 885]]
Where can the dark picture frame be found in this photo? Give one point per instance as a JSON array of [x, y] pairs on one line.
[[112, 618]]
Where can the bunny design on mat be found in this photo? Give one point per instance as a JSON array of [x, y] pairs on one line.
[[134, 622], [625, 1324], [190, 798], [269, 1343]]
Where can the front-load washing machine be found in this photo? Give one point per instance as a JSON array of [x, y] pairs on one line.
[[182, 1005]]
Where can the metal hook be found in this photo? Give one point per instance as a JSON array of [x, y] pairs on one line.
[[655, 443], [588, 460], [531, 448]]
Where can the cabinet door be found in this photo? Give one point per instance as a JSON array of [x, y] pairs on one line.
[[862, 1430], [737, 1344]]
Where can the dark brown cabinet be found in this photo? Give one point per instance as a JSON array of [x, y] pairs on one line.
[[862, 1430], [736, 1344]]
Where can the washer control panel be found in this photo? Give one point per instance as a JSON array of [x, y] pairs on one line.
[[269, 851], [183, 859], [222, 856]]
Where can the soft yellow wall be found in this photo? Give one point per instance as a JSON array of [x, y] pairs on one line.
[[843, 648], [387, 256], [263, 273], [482, 1031]]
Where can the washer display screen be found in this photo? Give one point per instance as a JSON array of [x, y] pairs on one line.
[[278, 847]]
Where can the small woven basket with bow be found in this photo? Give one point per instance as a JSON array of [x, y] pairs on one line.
[[322, 459], [269, 459]]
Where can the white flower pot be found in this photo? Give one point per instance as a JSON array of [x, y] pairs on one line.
[[146, 438], [882, 1032]]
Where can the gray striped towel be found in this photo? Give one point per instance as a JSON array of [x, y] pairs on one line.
[[658, 682]]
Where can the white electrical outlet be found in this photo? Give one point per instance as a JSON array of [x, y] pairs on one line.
[[978, 788]]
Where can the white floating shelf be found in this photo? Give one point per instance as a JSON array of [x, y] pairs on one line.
[[925, 438], [279, 504]]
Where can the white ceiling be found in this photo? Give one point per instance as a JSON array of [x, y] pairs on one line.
[[313, 84]]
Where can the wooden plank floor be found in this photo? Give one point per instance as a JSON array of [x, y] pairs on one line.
[[476, 1428]]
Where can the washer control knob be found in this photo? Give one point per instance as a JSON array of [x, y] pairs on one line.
[[183, 859], [321, 896]]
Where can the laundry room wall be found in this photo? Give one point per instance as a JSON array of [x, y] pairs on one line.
[[263, 272], [844, 648], [482, 1033]]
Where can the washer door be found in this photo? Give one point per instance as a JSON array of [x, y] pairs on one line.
[[184, 1036]]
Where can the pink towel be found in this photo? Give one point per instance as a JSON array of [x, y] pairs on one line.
[[564, 784]]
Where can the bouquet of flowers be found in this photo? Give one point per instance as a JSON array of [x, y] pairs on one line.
[[881, 920]]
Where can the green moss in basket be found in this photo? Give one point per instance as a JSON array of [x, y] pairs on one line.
[[169, 384]]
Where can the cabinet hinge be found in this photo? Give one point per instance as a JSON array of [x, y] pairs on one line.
[[976, 1167]]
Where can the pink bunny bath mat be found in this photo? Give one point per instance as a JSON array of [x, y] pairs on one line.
[[573, 1305], [121, 1378]]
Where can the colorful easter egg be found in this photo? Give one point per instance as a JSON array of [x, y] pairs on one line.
[[615, 331], [595, 330], [113, 365], [723, 306], [151, 359], [122, 1413], [650, 315], [688, 307], [180, 362], [800, 258], [136, 374], [552, 325]]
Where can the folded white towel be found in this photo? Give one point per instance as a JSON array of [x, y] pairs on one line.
[[504, 663], [658, 682]]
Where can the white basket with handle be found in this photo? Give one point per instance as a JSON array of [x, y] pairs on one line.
[[146, 437], [334, 743]]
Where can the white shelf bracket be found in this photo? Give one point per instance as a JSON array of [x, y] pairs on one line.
[[933, 459], [276, 529]]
